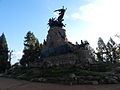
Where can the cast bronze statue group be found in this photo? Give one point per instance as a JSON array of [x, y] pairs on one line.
[[53, 22]]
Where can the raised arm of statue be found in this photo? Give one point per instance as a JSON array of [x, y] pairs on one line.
[[59, 9]]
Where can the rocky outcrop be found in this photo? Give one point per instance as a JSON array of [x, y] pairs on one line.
[[56, 37], [56, 43]]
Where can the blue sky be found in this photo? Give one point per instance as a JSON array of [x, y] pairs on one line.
[[19, 16], [84, 19]]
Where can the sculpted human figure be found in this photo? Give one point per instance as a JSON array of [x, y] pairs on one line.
[[61, 13], [53, 22]]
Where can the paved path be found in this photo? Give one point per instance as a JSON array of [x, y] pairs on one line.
[[12, 84]]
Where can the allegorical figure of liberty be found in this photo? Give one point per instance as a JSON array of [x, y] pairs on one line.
[[61, 14]]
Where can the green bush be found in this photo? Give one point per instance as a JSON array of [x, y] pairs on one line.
[[117, 70]]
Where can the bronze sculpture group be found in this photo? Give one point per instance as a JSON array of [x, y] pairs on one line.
[[53, 22]]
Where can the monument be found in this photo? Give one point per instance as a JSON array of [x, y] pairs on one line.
[[56, 34], [58, 50], [56, 42]]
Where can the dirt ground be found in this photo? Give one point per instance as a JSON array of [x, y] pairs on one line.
[[12, 84]]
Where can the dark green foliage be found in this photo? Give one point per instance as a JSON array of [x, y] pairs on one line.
[[32, 49], [117, 70], [52, 73], [4, 63], [26, 73], [107, 52], [101, 49], [30, 74], [59, 71]]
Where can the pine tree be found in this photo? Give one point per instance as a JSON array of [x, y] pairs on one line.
[[112, 49], [31, 49], [107, 52], [101, 49], [4, 63]]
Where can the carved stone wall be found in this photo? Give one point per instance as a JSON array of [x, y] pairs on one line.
[[69, 58], [75, 58]]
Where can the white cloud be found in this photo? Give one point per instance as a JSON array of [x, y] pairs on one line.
[[85, 12], [16, 56], [103, 17], [87, 7], [76, 16]]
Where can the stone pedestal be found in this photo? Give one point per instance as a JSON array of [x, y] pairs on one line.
[[56, 37], [56, 43]]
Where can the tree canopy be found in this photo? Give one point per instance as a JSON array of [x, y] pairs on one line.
[[32, 49], [4, 63]]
